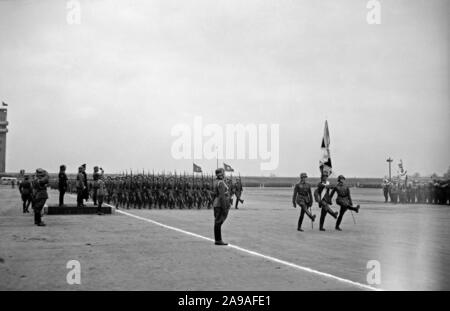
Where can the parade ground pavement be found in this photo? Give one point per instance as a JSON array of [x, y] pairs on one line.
[[173, 249]]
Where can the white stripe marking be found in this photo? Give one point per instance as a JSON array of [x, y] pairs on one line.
[[283, 262]]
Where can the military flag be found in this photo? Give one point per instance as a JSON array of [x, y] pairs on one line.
[[227, 168], [325, 162], [197, 169]]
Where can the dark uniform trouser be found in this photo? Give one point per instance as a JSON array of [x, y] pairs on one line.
[[38, 205], [26, 199], [80, 196], [220, 214], [303, 210], [99, 199], [386, 194], [325, 208], [94, 195], [61, 196]]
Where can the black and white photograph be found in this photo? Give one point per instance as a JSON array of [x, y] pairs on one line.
[[224, 150]]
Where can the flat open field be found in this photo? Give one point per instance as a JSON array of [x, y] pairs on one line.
[[157, 251]]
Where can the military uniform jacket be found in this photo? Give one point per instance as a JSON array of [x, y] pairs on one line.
[[302, 194], [40, 188], [62, 181], [222, 194], [101, 187], [80, 181], [25, 187], [343, 195]]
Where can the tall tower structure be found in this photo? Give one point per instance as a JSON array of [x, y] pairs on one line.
[[3, 131]]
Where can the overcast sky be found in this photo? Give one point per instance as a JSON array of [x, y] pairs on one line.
[[109, 91]]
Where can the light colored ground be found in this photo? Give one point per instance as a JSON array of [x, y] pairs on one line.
[[118, 252]]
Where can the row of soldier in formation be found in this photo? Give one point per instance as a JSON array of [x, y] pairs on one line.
[[143, 190], [433, 192]]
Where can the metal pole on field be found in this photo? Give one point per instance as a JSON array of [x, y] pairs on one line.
[[389, 160], [354, 221]]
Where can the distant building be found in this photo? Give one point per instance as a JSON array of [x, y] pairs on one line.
[[3, 131]]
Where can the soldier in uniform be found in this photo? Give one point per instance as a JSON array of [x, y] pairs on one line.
[[85, 181], [40, 195], [80, 187], [95, 177], [322, 197], [100, 190], [238, 192], [344, 200], [62, 184], [221, 205], [394, 193], [386, 188], [303, 197], [25, 189]]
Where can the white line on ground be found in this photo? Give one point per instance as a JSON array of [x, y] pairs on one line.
[[244, 250]]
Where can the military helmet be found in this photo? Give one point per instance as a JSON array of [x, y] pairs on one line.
[[303, 175], [40, 172], [220, 171], [340, 177]]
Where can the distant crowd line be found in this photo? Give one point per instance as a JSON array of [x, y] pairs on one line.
[[433, 192]]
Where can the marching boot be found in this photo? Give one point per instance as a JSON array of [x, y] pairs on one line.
[[338, 229], [357, 208], [300, 229], [323, 213]]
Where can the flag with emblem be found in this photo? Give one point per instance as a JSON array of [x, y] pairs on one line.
[[197, 169], [325, 162], [227, 168]]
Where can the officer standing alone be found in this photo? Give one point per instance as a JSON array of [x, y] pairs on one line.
[[221, 205], [303, 197]]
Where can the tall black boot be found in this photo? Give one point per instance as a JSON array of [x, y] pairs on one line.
[[339, 220], [218, 235], [37, 217], [300, 220], [217, 232], [323, 213]]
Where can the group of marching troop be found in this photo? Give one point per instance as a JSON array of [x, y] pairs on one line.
[[150, 191]]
